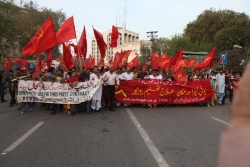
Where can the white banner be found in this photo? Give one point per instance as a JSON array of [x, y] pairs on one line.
[[59, 93]]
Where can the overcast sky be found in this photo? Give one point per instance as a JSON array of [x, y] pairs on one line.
[[166, 17]]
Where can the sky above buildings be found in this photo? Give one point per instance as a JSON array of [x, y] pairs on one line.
[[166, 17]]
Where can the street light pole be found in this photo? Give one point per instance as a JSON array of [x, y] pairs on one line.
[[246, 49]]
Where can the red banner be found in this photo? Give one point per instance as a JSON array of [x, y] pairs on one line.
[[163, 92]]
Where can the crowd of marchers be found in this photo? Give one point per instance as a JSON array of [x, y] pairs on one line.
[[224, 86]]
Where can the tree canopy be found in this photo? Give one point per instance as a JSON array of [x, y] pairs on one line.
[[18, 25]]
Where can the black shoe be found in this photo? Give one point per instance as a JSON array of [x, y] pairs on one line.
[[125, 106], [72, 113], [111, 109], [2, 101], [105, 107]]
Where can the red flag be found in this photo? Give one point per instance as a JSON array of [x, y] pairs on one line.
[[155, 60], [67, 57], [221, 60], [82, 45], [91, 62], [180, 64], [114, 37], [177, 57], [43, 40], [7, 63], [191, 63], [20, 61], [67, 31], [165, 61], [100, 63], [125, 54], [148, 63], [85, 63], [100, 42], [154, 56], [134, 62], [207, 62], [117, 60], [39, 67], [49, 57], [180, 75]]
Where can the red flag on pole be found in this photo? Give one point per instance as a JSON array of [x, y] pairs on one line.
[[39, 67], [134, 62], [85, 63], [7, 63], [91, 63], [67, 57], [207, 62], [117, 60], [100, 63], [180, 75], [82, 45], [100, 42], [49, 57], [20, 61], [155, 60], [165, 61], [125, 54], [177, 57], [114, 37], [180, 64], [67, 31], [191, 63], [43, 40]]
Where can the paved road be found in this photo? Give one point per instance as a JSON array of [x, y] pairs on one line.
[[183, 137]]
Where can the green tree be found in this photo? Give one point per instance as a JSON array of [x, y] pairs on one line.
[[210, 22], [18, 25]]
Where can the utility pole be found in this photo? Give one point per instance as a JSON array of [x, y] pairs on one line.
[[152, 36]]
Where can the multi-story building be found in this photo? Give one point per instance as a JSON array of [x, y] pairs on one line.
[[127, 40]]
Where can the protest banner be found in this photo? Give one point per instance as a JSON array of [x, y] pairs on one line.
[[132, 92], [59, 93], [163, 92]]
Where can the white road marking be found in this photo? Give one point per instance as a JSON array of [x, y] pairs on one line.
[[21, 139], [216, 119], [156, 154]]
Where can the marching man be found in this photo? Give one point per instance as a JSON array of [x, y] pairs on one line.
[[97, 97]]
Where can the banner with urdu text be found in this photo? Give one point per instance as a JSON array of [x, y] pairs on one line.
[[163, 92], [60, 93]]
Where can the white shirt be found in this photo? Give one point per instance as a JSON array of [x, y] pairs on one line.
[[220, 79], [159, 77], [127, 76], [112, 78], [92, 76], [151, 77]]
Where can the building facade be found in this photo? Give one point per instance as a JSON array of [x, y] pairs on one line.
[[127, 40]]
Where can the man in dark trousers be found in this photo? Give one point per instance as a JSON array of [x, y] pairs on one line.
[[111, 80]]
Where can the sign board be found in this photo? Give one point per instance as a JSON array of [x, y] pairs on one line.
[[224, 58]]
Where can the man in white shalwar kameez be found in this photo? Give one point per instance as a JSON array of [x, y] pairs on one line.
[[97, 97], [220, 79]]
